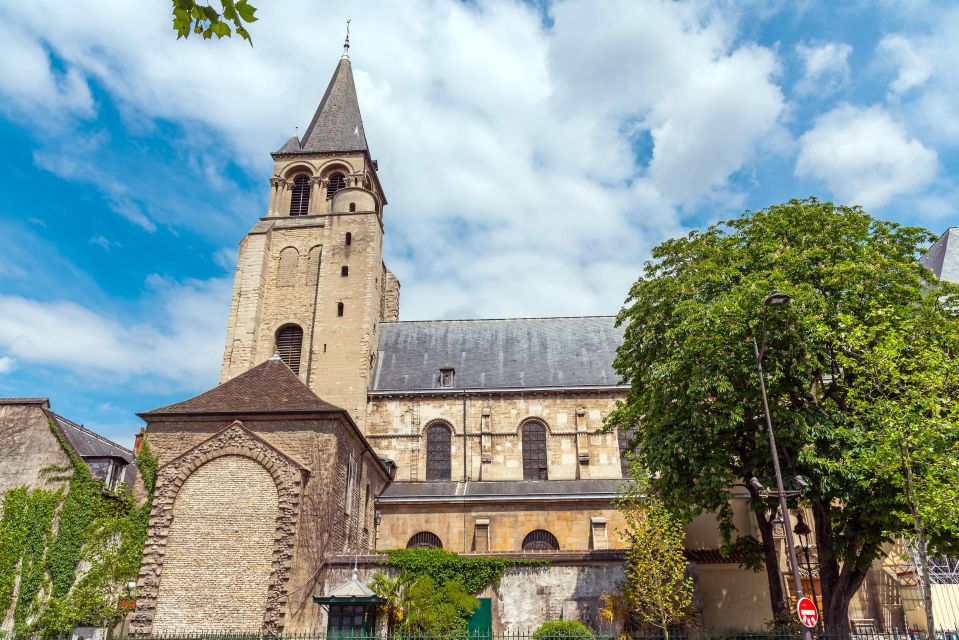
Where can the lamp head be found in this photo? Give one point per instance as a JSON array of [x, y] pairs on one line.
[[756, 484], [801, 528], [801, 483], [776, 299]]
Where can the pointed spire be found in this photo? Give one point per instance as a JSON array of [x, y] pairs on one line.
[[337, 125]]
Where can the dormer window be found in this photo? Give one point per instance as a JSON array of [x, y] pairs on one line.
[[446, 377], [337, 182], [300, 196]]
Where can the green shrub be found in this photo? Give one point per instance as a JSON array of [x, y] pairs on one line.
[[562, 629]]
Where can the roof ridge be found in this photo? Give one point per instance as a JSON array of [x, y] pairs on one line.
[[89, 432], [502, 319]]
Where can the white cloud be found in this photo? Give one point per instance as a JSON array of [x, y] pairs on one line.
[[7, 364], [825, 67], [926, 81], [182, 344], [506, 148], [864, 156]]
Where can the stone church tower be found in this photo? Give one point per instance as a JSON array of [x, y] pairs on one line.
[[310, 280]]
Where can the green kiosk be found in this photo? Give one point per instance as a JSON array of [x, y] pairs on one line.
[[352, 610]]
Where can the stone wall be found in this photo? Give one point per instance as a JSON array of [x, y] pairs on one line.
[[27, 444], [216, 569], [396, 427]]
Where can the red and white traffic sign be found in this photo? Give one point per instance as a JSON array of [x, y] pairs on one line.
[[808, 614]]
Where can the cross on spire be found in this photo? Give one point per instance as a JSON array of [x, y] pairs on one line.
[[346, 43]]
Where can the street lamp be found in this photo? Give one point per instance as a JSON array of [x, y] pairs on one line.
[[777, 299], [802, 530]]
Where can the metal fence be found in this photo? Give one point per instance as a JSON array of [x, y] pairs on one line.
[[529, 635]]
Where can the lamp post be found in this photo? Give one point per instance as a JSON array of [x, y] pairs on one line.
[[802, 530], [776, 299]]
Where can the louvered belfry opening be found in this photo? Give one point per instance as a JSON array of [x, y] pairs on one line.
[[534, 451], [425, 540], [540, 540], [289, 342], [300, 197], [337, 182], [438, 452]]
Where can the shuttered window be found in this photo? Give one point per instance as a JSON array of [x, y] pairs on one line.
[[439, 442], [300, 197], [337, 182], [534, 451], [289, 342]]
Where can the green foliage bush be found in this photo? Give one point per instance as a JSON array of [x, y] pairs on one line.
[[45, 535], [474, 573], [562, 629]]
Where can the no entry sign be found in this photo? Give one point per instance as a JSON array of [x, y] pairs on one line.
[[808, 614]]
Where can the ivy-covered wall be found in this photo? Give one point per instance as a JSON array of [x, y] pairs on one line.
[[66, 554]]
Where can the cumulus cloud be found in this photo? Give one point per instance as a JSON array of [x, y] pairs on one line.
[[181, 345], [7, 364], [864, 156], [825, 67], [510, 152], [926, 81]]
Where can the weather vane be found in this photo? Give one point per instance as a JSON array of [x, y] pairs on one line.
[[346, 43]]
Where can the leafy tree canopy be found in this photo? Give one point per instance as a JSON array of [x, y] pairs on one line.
[[191, 16], [694, 409]]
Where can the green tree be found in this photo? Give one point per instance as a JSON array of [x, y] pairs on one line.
[[657, 592], [393, 590], [906, 371], [693, 407], [191, 16], [437, 611]]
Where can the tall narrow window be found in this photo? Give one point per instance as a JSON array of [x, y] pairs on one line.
[[438, 452], [344, 271], [337, 182], [289, 342], [300, 196], [534, 451], [339, 309], [349, 238], [352, 207]]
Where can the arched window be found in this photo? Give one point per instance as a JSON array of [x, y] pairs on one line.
[[540, 540], [337, 182], [313, 265], [534, 451], [424, 540], [300, 197], [352, 207], [289, 342], [339, 309], [439, 441]]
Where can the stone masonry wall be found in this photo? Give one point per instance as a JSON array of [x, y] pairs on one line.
[[216, 570], [396, 427], [27, 445]]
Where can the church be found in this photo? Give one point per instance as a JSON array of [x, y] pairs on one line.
[[338, 429]]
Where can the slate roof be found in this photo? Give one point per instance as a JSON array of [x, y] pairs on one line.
[[88, 444], [515, 353], [942, 258], [501, 489], [336, 125], [270, 387]]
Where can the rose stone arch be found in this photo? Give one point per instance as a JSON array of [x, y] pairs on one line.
[[288, 476]]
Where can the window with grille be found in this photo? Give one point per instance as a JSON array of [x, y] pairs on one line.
[[534, 451], [337, 182], [424, 540], [540, 540], [439, 441], [289, 342], [300, 197]]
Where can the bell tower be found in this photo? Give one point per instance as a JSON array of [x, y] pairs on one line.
[[310, 280]]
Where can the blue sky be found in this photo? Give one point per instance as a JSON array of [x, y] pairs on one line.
[[532, 154]]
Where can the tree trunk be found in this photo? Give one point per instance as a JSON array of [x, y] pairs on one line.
[[921, 542], [839, 584], [777, 599]]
